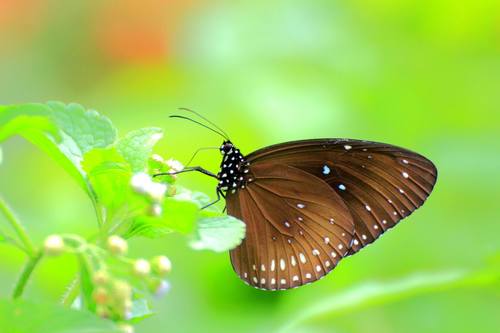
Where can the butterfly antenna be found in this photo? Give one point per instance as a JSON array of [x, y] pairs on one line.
[[206, 119], [196, 153], [201, 124]]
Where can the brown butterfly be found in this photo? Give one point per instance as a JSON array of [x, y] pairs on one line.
[[308, 204]]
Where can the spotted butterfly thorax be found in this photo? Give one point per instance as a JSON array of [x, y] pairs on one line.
[[308, 204]]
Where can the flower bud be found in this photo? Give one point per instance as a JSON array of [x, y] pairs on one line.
[[155, 210], [102, 311], [100, 277], [53, 245], [100, 296], [117, 245], [160, 288], [161, 265], [122, 290], [171, 191], [142, 267]]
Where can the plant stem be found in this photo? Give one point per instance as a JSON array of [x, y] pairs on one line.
[[18, 228], [25, 275]]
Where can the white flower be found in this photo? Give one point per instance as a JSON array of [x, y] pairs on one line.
[[174, 165], [140, 182], [53, 245], [142, 267], [162, 288], [117, 245], [156, 191], [161, 265]]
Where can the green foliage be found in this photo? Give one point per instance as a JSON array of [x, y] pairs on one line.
[[30, 317], [64, 132], [137, 146], [115, 173], [378, 293], [218, 234]]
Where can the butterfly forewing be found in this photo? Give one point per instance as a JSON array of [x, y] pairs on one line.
[[298, 227], [379, 183]]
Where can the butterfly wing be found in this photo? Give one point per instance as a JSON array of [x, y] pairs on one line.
[[298, 227], [380, 184]]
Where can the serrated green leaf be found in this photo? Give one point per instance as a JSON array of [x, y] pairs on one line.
[[28, 317], [218, 234], [137, 146], [64, 132]]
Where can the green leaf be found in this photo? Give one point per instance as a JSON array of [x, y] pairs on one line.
[[1, 155], [29, 317], [137, 146], [87, 287], [177, 215], [140, 310], [109, 176], [64, 132], [218, 234]]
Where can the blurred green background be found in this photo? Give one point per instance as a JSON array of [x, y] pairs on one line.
[[420, 74]]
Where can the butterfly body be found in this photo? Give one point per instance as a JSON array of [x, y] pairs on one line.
[[308, 204], [234, 170]]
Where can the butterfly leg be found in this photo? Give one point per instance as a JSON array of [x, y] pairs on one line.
[[219, 195], [197, 168]]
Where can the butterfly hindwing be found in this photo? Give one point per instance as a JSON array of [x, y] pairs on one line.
[[298, 227]]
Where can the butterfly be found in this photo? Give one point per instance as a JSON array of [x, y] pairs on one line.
[[308, 204]]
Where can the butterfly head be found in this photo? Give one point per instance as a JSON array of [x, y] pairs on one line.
[[226, 147]]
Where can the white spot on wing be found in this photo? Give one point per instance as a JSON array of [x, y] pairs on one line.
[[326, 170], [342, 187], [302, 258], [347, 147], [282, 264], [405, 175], [301, 206]]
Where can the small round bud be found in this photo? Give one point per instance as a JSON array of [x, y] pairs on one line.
[[100, 278], [117, 245], [126, 328], [100, 296], [142, 267], [102, 311], [161, 265], [122, 290], [53, 245], [171, 191], [160, 288], [156, 210]]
